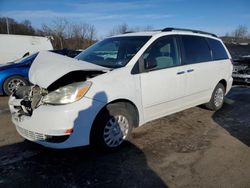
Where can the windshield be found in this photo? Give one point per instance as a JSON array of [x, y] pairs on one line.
[[26, 58], [113, 52]]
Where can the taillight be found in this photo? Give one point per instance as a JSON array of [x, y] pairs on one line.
[[68, 131]]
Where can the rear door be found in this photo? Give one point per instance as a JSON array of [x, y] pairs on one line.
[[200, 71]]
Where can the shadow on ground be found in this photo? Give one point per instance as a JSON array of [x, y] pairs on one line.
[[80, 167], [35, 166], [235, 114]]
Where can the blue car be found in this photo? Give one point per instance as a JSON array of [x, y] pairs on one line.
[[16, 73]]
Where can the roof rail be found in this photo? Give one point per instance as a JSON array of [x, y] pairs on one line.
[[190, 30]]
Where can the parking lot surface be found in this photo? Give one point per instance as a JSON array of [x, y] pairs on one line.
[[193, 148]]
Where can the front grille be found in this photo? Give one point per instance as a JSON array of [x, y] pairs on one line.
[[34, 136], [30, 135]]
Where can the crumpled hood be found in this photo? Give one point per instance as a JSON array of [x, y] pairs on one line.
[[49, 67]]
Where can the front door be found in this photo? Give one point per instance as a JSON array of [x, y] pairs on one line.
[[163, 82]]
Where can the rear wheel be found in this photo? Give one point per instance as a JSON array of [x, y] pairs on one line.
[[112, 126], [12, 83], [217, 98]]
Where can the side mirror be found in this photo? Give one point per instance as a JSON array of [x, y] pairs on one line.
[[149, 64]]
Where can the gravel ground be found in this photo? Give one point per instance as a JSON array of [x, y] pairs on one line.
[[193, 148]]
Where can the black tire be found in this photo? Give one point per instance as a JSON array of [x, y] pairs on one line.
[[7, 83], [212, 105], [113, 110]]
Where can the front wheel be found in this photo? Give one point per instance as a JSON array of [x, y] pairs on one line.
[[217, 98], [112, 127]]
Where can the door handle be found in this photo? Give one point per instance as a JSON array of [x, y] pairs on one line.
[[181, 72], [190, 70]]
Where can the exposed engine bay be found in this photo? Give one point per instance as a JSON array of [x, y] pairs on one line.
[[240, 53], [31, 96], [241, 69], [52, 75]]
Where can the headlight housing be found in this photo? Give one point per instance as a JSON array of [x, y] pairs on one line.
[[67, 94]]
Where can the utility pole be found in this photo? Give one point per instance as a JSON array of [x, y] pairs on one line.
[[7, 25]]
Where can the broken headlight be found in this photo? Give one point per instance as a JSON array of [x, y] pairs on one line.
[[67, 94]]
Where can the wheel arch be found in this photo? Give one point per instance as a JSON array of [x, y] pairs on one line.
[[132, 106], [224, 83], [129, 104]]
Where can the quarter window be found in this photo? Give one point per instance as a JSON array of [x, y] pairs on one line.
[[195, 49]]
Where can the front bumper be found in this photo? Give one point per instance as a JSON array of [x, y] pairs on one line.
[[53, 120]]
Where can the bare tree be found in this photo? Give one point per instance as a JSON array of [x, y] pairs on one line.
[[80, 36], [65, 35], [89, 34], [119, 29], [123, 28], [240, 32], [57, 29], [11, 26]]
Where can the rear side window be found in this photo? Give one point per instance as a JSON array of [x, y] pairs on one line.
[[218, 49], [195, 49]]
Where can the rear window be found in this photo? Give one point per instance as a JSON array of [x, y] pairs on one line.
[[218, 49], [196, 49]]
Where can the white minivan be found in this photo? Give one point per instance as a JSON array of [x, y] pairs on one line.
[[118, 84]]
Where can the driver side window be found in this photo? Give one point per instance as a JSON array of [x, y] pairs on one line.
[[163, 53]]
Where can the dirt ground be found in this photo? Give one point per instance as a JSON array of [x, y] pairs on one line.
[[193, 148]]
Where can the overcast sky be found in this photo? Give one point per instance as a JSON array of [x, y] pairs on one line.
[[218, 16]]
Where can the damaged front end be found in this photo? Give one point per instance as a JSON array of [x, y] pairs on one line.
[[61, 82], [241, 70], [22, 104], [57, 80], [25, 99], [67, 89]]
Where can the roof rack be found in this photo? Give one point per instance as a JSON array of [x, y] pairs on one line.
[[190, 30]]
